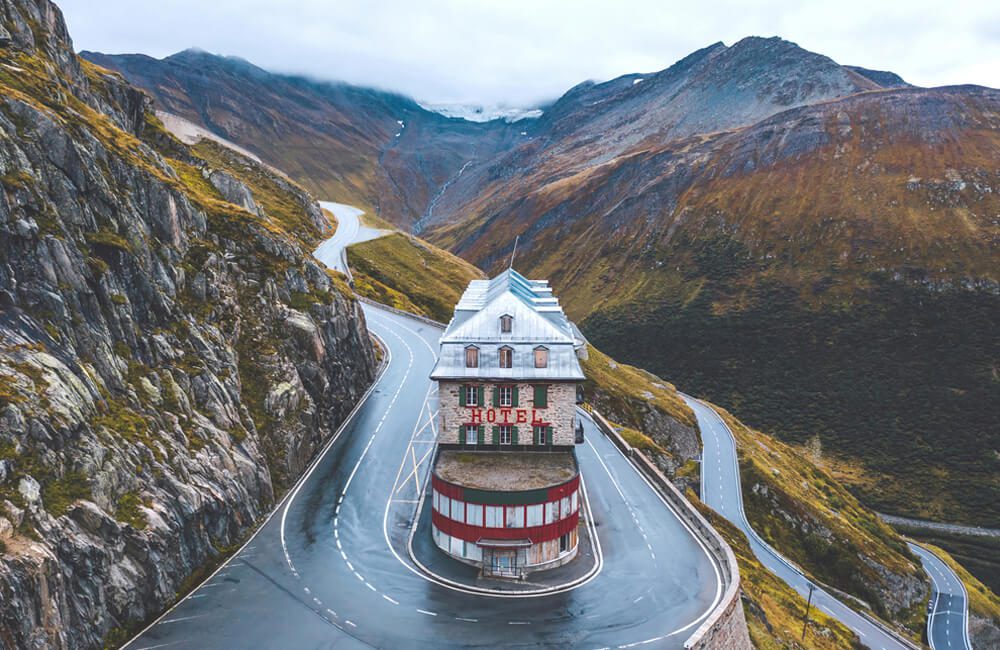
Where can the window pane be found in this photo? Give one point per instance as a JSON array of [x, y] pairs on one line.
[[575, 505], [551, 512], [564, 510], [473, 514], [515, 516], [506, 324], [444, 506], [458, 510], [471, 357], [534, 515], [471, 434], [494, 516]]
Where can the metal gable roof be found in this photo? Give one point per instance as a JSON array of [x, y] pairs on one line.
[[538, 320]]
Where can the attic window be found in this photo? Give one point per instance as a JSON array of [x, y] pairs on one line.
[[506, 324], [541, 357], [506, 357], [472, 357]]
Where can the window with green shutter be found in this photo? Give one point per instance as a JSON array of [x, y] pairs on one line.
[[482, 396], [513, 399], [461, 395], [513, 436], [496, 396], [482, 434], [496, 435], [548, 435], [461, 435], [541, 398]]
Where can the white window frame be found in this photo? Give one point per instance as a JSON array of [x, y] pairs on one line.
[[471, 395], [444, 506], [576, 503], [474, 514], [494, 516], [471, 434], [506, 434], [515, 516], [534, 515], [500, 355], [506, 395]]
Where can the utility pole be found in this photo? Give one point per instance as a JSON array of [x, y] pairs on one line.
[[805, 621]]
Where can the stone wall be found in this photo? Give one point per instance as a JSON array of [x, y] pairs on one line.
[[560, 412]]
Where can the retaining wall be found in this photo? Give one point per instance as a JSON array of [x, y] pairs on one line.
[[726, 626]]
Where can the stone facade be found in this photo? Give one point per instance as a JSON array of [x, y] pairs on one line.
[[559, 413]]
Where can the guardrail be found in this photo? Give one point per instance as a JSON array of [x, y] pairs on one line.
[[831, 590], [401, 312], [721, 628]]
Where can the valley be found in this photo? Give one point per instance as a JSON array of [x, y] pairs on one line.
[[198, 359]]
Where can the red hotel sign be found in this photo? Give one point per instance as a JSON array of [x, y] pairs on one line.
[[505, 415]]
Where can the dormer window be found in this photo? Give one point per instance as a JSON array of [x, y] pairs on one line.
[[506, 357], [472, 357], [506, 324], [541, 357]]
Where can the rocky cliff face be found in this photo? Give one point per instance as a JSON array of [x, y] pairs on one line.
[[169, 357]]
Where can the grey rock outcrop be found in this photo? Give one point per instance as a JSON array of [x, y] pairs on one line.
[[158, 392]]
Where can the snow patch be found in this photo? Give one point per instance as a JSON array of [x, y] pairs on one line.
[[635, 81], [474, 113]]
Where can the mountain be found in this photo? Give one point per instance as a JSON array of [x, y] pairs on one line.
[[381, 150], [170, 355], [811, 245], [827, 270]]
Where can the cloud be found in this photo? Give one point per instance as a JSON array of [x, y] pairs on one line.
[[521, 53]]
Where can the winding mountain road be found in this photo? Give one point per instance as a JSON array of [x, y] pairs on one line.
[[326, 570], [720, 489]]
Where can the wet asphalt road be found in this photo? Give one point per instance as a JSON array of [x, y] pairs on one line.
[[325, 572]]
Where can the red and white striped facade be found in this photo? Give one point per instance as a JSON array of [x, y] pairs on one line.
[[531, 529]]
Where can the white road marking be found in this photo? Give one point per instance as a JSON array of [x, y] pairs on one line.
[[467, 620], [390, 599], [182, 618], [424, 611]]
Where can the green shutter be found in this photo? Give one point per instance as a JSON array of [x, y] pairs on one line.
[[496, 435], [513, 395], [482, 434], [513, 435], [496, 396], [541, 396], [461, 394], [482, 396], [548, 435], [461, 435]]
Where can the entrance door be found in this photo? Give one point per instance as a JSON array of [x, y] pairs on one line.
[[504, 564]]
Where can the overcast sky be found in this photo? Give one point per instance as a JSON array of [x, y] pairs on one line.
[[522, 52]]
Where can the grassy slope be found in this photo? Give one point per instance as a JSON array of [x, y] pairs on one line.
[[814, 521], [774, 611], [408, 273]]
